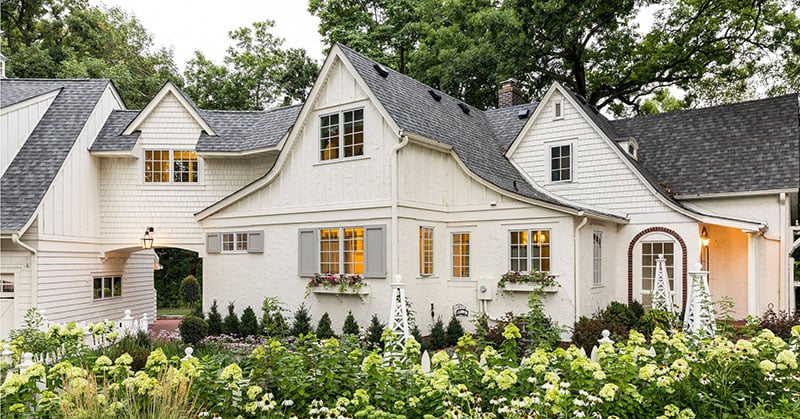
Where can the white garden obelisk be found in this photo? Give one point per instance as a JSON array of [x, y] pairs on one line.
[[699, 319], [398, 312], [662, 295]]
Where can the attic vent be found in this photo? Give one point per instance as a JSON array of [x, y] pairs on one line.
[[382, 71], [436, 96], [523, 113], [464, 108], [515, 186]]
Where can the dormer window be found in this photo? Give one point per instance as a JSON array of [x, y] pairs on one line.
[[629, 146], [558, 110], [341, 135]]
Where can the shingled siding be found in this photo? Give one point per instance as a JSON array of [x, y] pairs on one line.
[[16, 124], [128, 204], [600, 177]]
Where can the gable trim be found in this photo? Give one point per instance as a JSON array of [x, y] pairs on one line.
[[169, 87]]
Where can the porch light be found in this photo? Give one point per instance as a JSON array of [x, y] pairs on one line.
[[147, 239], [704, 237]]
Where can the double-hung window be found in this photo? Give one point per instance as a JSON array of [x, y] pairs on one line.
[[235, 242], [341, 135], [170, 166], [597, 258], [341, 250], [107, 287], [425, 250], [561, 163], [529, 250], [460, 255]]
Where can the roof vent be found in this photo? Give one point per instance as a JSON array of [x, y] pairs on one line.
[[523, 113], [382, 71], [464, 107], [436, 96], [515, 186], [581, 99]]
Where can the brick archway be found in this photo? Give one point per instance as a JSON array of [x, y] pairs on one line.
[[683, 259]]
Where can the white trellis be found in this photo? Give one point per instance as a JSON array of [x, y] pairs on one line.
[[662, 294], [699, 318], [398, 311]]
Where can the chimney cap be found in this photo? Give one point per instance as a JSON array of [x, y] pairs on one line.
[[508, 82]]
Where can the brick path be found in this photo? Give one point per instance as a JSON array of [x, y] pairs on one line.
[[161, 324]]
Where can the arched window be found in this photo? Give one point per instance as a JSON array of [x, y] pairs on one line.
[[644, 251]]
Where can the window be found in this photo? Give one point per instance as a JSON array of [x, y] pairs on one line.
[[426, 250], [341, 250], [460, 255], [561, 163], [341, 135], [530, 250], [650, 252], [170, 166], [597, 258], [234, 242], [107, 287]]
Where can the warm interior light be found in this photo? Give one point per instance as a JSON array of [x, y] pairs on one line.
[[147, 240], [704, 237]]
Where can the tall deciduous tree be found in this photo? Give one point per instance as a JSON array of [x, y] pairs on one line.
[[69, 38], [257, 72]]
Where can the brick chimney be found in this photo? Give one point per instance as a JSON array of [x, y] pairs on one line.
[[509, 95]]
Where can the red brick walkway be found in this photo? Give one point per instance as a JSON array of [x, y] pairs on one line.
[[168, 325]]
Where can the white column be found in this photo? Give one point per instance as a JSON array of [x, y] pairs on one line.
[[752, 274]]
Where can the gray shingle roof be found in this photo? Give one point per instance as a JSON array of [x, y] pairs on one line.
[[471, 135], [110, 137], [506, 122], [742, 147], [29, 176], [17, 90]]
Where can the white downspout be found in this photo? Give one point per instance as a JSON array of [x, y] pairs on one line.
[[395, 199], [34, 269], [784, 289], [576, 267]]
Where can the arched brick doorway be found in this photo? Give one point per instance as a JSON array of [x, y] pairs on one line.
[[632, 246]]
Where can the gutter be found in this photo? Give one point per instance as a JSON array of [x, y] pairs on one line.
[[576, 267], [395, 198], [34, 268]]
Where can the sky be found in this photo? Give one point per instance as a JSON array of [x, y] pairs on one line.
[[189, 25]]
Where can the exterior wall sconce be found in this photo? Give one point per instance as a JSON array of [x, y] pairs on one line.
[[147, 239], [705, 240]]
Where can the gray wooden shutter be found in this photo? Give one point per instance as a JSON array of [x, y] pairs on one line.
[[213, 243], [255, 242], [375, 251], [308, 255]]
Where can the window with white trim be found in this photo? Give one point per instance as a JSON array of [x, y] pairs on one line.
[[597, 258], [107, 287], [235, 242], [529, 250], [558, 110], [460, 255], [561, 163], [170, 166], [425, 250], [650, 252], [341, 250], [341, 135]]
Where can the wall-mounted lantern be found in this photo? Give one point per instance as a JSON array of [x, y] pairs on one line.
[[705, 240], [147, 239]]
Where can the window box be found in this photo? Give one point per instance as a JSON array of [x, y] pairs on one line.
[[547, 289], [340, 284], [513, 281], [336, 289]]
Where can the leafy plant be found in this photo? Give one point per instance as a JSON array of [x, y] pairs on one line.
[[438, 337], [230, 326], [214, 320], [780, 323], [543, 279], [374, 332], [302, 322], [190, 290], [454, 331], [324, 330], [249, 323], [272, 322], [193, 329], [350, 325], [540, 329]]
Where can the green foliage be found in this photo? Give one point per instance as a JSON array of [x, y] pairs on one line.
[[272, 322], [350, 325], [193, 329], [177, 264], [302, 322], [257, 73], [324, 330], [618, 318], [657, 319], [663, 101], [417, 335], [190, 290], [374, 332], [249, 324], [454, 331], [438, 337], [230, 325], [214, 320], [780, 323], [540, 330]]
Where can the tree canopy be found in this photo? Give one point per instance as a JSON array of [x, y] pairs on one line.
[[716, 51], [71, 39]]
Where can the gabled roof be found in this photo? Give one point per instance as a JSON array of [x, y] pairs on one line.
[[738, 148], [507, 122], [471, 135], [110, 137], [20, 90], [183, 99], [38, 161]]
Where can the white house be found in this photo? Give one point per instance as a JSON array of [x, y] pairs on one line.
[[379, 175]]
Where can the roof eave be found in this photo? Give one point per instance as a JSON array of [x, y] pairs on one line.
[[736, 194]]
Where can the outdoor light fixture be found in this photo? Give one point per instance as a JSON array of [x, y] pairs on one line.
[[705, 240], [147, 239]]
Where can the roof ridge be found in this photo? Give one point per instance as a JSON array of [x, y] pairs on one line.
[[707, 108]]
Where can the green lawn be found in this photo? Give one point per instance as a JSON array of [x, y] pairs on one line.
[[174, 311]]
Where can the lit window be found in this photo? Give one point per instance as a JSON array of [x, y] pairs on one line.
[[426, 250], [530, 251], [597, 258], [460, 255], [341, 135], [107, 287], [341, 250], [561, 163], [170, 166], [650, 252], [234, 242]]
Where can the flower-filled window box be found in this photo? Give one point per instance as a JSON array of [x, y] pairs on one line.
[[340, 284], [513, 281]]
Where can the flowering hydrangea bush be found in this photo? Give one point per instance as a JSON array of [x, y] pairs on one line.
[[669, 376]]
